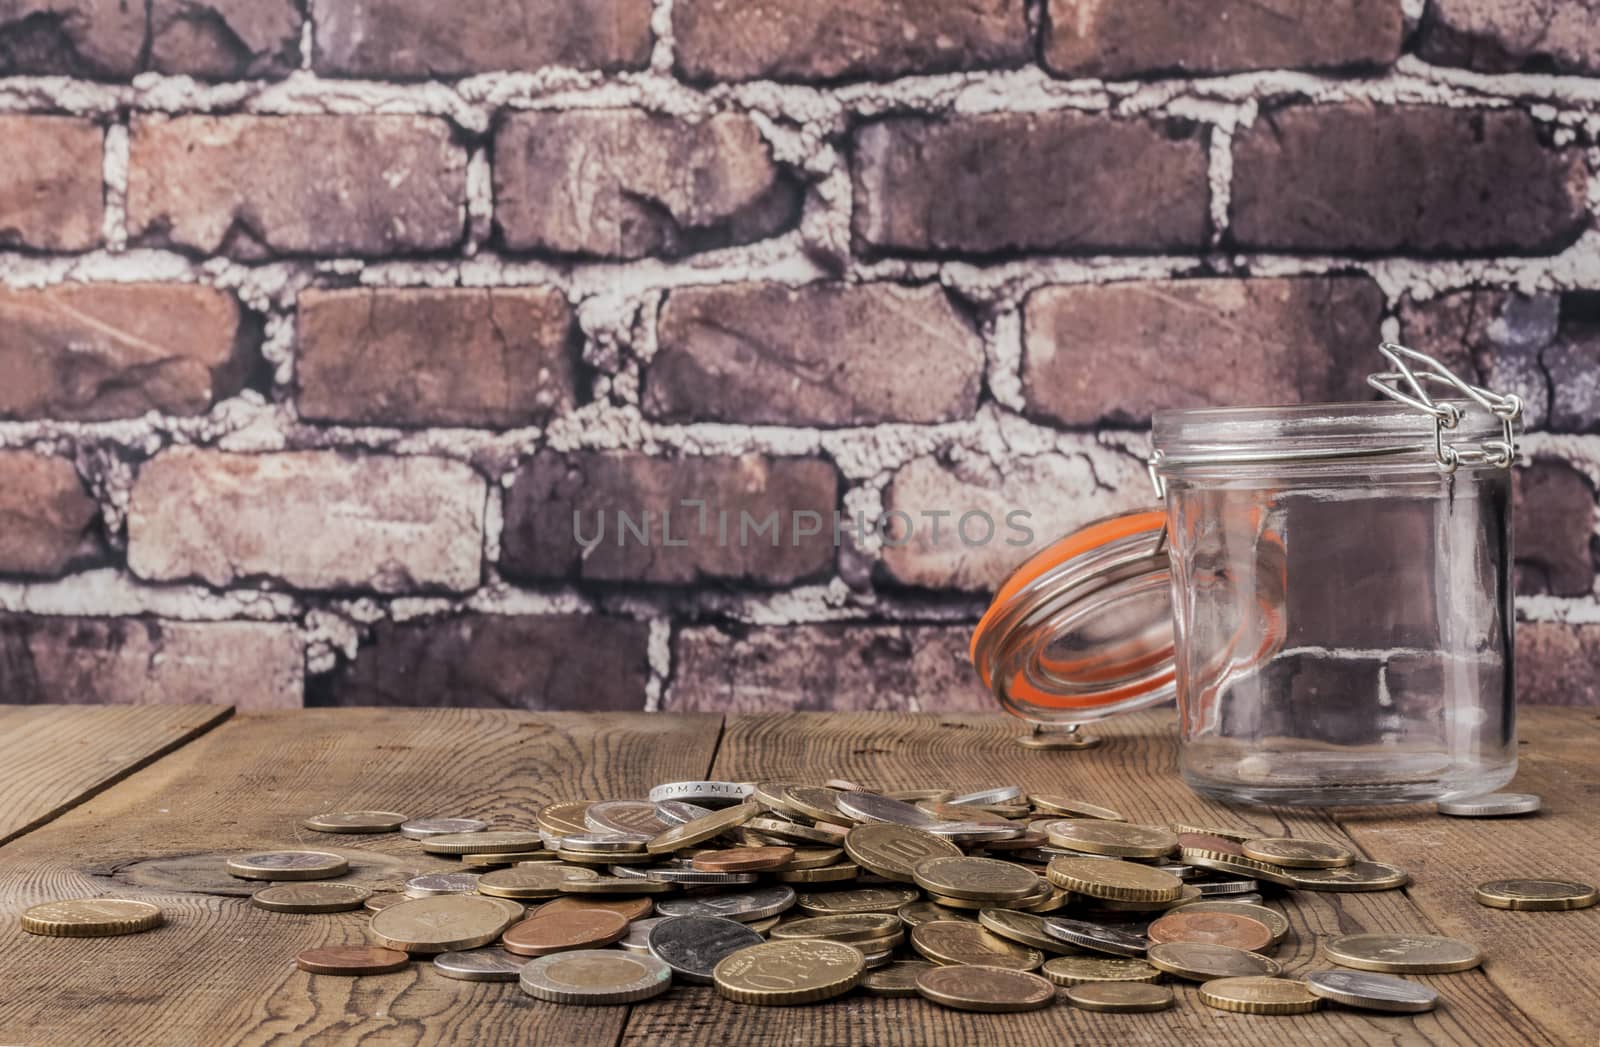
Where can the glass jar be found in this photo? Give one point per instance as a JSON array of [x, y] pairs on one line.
[[1327, 594]]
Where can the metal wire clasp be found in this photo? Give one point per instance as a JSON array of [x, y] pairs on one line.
[[1408, 385]]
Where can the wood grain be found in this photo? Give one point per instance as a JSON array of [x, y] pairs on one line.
[[1136, 773], [1543, 960], [53, 757], [220, 971]]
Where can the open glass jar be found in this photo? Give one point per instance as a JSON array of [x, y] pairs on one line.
[[1327, 594]]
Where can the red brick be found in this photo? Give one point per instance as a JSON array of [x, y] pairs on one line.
[[47, 519], [311, 519], [845, 39], [1117, 352], [144, 661], [558, 499], [226, 39], [1355, 177], [1556, 547], [51, 192], [420, 39], [823, 354], [581, 662], [1054, 181], [624, 184], [481, 357], [1143, 37], [1556, 664], [839, 666], [101, 39], [260, 185], [1499, 36], [90, 352]]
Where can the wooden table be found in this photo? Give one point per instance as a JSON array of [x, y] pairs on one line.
[[120, 801]]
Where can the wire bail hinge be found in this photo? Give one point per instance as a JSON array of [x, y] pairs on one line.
[[1407, 384]]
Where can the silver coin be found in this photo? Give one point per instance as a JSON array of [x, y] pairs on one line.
[[422, 828], [744, 906], [1375, 992], [480, 965], [625, 816], [677, 812], [1182, 872], [878, 959], [699, 876], [638, 937], [870, 807], [693, 945], [1004, 794], [604, 843], [712, 794], [1097, 937], [973, 831], [441, 883], [1490, 805], [566, 977], [1251, 897], [287, 865], [1210, 888]]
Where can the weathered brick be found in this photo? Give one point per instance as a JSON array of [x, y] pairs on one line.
[[1143, 37], [1556, 547], [47, 519], [823, 354], [840, 39], [1556, 664], [842, 666], [1572, 362], [1054, 181], [480, 357], [1028, 504], [259, 185], [1352, 177], [418, 39], [92, 38], [89, 352], [311, 519], [624, 184], [1499, 36], [564, 518], [51, 197], [583, 662], [138, 661], [1115, 353], [226, 39], [1490, 336]]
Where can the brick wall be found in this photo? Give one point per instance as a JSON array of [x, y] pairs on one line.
[[319, 318]]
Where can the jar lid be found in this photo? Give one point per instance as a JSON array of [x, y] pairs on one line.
[[1083, 629]]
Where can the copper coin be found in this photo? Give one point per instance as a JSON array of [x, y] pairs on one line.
[[1211, 928], [744, 859], [628, 908], [558, 932], [351, 960]]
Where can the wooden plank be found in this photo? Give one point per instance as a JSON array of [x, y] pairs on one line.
[[221, 971], [53, 757], [1545, 961], [1136, 773]]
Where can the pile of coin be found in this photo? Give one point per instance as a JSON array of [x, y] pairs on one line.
[[782, 893]]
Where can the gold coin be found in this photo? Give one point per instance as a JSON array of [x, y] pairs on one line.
[[355, 822], [510, 857], [1237, 865], [827, 874], [770, 795], [988, 989], [1198, 961], [565, 817], [1236, 835], [852, 927], [859, 899], [1118, 839], [914, 914], [1023, 928], [795, 833], [1124, 997], [1077, 970], [1358, 876], [442, 923], [981, 879], [789, 972], [1117, 880], [1259, 995], [1190, 894], [1403, 953], [617, 885], [1536, 895], [491, 841], [287, 865], [1052, 804], [960, 942], [1276, 922], [91, 918], [595, 977], [897, 979], [704, 828], [893, 851], [814, 858], [817, 803], [379, 902], [1298, 854], [310, 897]]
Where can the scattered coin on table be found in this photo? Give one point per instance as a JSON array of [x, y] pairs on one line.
[[1490, 805], [1373, 992], [480, 965], [288, 865], [311, 897], [355, 822], [594, 977], [91, 918], [352, 960], [1403, 953], [1123, 996], [1536, 895], [984, 988], [1259, 995]]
